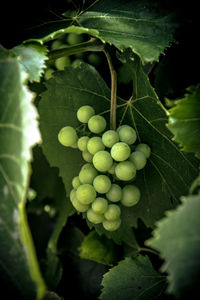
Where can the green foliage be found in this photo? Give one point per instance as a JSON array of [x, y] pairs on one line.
[[18, 133], [184, 121], [132, 279], [177, 239]]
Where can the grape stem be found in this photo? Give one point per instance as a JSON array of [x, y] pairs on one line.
[[91, 45], [113, 103]]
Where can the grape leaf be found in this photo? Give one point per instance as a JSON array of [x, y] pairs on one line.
[[32, 56], [161, 182], [18, 133], [177, 237], [140, 25], [132, 279], [184, 121]]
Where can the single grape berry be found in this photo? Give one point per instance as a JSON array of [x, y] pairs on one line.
[[93, 217], [95, 144], [102, 184], [120, 151], [111, 225], [115, 193], [87, 156], [87, 174], [80, 207], [82, 143], [130, 195], [76, 182], [72, 194], [112, 169], [86, 193], [139, 159], [125, 170], [97, 124], [144, 148], [127, 134], [102, 161], [74, 39], [113, 212], [109, 138], [100, 205], [67, 136], [84, 113]]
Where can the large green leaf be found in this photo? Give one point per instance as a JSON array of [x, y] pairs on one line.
[[18, 133], [132, 279], [177, 237], [184, 121], [137, 24], [162, 181]]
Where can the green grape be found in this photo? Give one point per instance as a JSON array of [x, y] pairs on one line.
[[48, 73], [82, 143], [93, 217], [77, 62], [102, 161], [125, 170], [112, 169], [111, 225], [127, 134], [74, 146], [100, 205], [94, 59], [62, 62], [80, 207], [130, 195], [76, 182], [74, 39], [86, 193], [97, 124], [102, 184], [87, 174], [144, 148], [95, 145], [67, 136], [109, 138], [87, 156], [115, 193], [56, 44], [84, 113], [113, 212], [120, 151], [72, 194], [139, 159]]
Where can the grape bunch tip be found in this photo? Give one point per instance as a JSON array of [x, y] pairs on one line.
[[104, 183]]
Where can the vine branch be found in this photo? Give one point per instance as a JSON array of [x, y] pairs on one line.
[[113, 104]]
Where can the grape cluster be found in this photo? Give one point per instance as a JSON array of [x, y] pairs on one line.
[[105, 180]]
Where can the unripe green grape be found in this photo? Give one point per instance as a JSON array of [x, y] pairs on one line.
[[112, 169], [127, 134], [94, 59], [49, 73], [97, 124], [67, 136], [102, 161], [77, 62], [74, 39], [87, 156], [74, 146], [111, 225], [62, 62], [109, 138], [93, 217], [76, 182], [102, 184], [86, 193], [80, 207], [84, 113], [87, 174], [113, 212], [100, 205], [115, 193], [120, 151], [72, 194], [82, 143], [95, 144], [139, 159], [144, 148], [125, 170], [130, 195]]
